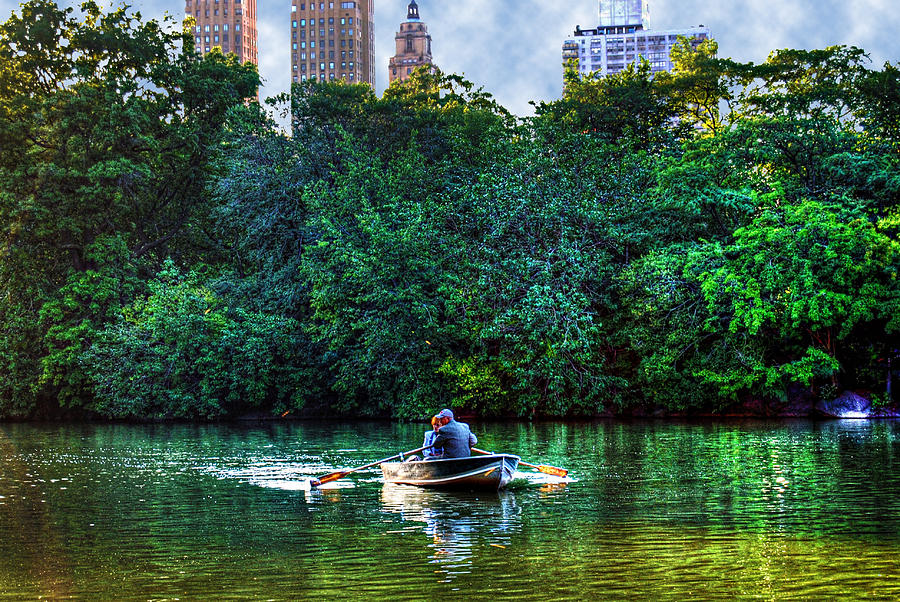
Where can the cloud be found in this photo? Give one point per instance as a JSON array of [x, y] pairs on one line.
[[512, 47]]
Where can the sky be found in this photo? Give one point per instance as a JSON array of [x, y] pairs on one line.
[[512, 48]]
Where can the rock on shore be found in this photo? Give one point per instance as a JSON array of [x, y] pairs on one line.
[[851, 405]]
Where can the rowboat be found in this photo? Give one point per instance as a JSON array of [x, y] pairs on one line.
[[482, 473]]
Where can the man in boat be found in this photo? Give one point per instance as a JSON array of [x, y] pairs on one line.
[[454, 437]]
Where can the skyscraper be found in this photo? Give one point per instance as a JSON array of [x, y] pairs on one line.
[[333, 40], [615, 13], [622, 37], [227, 24], [413, 46]]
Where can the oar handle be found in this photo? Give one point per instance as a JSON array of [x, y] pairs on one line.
[[334, 476]]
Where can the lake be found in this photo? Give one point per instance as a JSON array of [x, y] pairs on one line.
[[747, 510]]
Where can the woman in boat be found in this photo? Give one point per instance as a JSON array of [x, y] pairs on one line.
[[454, 438], [434, 453]]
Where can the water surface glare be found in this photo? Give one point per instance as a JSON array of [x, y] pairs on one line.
[[746, 510]]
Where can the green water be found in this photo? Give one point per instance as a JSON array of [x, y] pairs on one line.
[[654, 511]]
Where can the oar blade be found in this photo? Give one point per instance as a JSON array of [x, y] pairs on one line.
[[559, 472], [327, 478]]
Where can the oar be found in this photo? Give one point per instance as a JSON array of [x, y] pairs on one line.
[[559, 472], [334, 476]]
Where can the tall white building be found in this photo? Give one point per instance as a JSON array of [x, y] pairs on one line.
[[622, 37]]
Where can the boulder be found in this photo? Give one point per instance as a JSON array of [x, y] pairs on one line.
[[851, 405], [847, 405]]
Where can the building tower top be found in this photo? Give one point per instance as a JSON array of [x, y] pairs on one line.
[[618, 13], [413, 47], [412, 13]]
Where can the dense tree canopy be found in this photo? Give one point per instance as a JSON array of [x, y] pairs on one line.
[[107, 129], [686, 241]]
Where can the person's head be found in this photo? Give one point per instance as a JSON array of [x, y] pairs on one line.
[[436, 422], [445, 416]]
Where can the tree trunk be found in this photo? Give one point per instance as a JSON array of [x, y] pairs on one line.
[[890, 375]]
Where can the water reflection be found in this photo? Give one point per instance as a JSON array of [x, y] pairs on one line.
[[456, 522]]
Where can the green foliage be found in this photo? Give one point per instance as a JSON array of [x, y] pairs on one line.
[[879, 104], [71, 319], [783, 303], [700, 84], [804, 278], [476, 382], [629, 108], [536, 284], [107, 127], [815, 85], [183, 353], [373, 276]]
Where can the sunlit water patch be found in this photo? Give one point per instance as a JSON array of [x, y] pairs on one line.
[[271, 473]]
